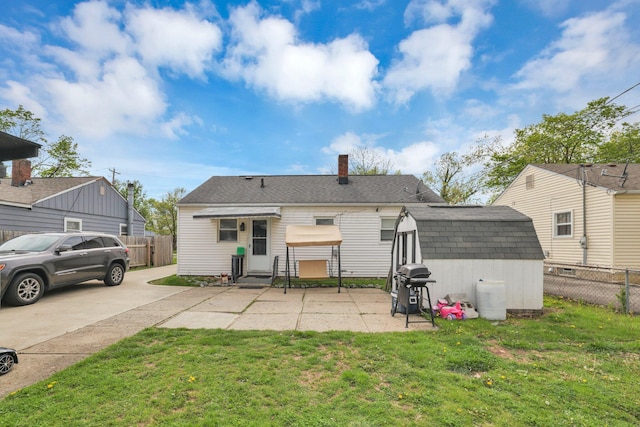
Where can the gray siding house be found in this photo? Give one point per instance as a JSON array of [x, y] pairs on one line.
[[462, 245], [64, 204]]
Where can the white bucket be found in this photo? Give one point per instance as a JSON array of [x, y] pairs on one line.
[[491, 299]]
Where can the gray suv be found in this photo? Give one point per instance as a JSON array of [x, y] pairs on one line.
[[33, 263]]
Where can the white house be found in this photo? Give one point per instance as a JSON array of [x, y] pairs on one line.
[[231, 215]]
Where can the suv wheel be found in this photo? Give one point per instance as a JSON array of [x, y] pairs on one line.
[[6, 363], [25, 289], [115, 275]]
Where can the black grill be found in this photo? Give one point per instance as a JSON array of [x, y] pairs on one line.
[[411, 279]]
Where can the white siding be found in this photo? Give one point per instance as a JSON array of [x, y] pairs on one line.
[[552, 193], [523, 279], [363, 254]]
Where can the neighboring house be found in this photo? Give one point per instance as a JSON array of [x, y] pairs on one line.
[[64, 204], [583, 215], [461, 245], [230, 214]]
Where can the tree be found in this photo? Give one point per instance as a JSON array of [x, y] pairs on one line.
[[165, 214], [23, 124], [449, 181], [366, 161], [62, 159], [580, 137], [623, 146], [56, 159], [452, 177]]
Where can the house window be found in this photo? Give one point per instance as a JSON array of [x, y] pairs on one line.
[[124, 230], [72, 224], [563, 224], [324, 220], [228, 230], [529, 182], [387, 228]]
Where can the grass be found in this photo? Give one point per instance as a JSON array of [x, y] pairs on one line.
[[576, 365]]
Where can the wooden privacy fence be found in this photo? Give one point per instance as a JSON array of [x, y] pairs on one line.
[[150, 251], [153, 251]]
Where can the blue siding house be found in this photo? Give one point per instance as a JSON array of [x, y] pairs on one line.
[[65, 204]]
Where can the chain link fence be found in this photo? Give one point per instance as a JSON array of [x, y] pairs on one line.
[[617, 288]]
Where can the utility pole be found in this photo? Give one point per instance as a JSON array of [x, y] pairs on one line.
[[113, 175]]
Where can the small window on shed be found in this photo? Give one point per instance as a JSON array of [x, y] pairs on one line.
[[529, 180], [563, 224], [124, 230], [72, 224], [228, 230], [387, 228]]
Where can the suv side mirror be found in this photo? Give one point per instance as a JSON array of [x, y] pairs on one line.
[[63, 248]]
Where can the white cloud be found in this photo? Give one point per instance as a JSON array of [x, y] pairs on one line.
[[434, 58], [591, 50], [106, 79], [177, 39], [176, 126], [548, 7], [95, 27], [414, 158], [370, 5], [124, 98], [11, 36], [266, 53], [20, 94]]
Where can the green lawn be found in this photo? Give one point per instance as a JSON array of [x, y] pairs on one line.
[[574, 366]]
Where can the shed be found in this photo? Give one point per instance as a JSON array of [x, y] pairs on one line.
[[461, 245], [312, 235]]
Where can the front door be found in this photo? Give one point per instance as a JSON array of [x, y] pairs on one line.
[[259, 246]]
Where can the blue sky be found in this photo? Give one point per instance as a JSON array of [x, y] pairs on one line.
[[170, 93]]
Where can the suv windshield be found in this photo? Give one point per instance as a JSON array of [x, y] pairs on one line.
[[29, 242]]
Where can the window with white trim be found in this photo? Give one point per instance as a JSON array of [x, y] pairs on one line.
[[324, 220], [563, 224], [124, 230], [228, 230], [387, 228], [72, 224]]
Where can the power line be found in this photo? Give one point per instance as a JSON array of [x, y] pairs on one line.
[[623, 92]]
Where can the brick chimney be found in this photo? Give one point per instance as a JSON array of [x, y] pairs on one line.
[[343, 169], [20, 172]]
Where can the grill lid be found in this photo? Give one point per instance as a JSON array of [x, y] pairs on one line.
[[414, 271]]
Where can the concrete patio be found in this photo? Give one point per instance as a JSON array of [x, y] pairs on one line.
[[266, 308]]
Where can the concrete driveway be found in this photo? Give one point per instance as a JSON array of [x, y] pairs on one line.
[[69, 324]]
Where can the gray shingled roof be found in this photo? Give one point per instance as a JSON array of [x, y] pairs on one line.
[[475, 232], [40, 188], [310, 189], [595, 174]]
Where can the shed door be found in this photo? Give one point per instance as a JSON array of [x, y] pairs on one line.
[[259, 247]]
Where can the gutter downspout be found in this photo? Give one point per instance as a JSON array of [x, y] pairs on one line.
[[583, 240], [130, 208]]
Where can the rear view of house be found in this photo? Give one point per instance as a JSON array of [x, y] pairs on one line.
[[231, 215]]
